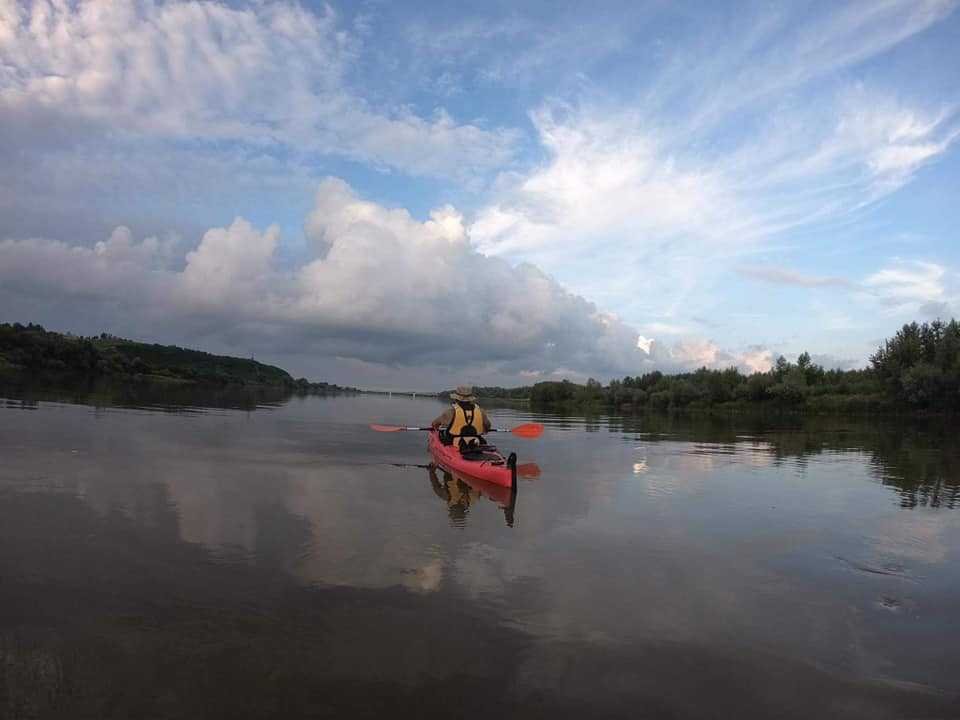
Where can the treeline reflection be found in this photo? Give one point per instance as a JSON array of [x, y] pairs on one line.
[[917, 458], [163, 397]]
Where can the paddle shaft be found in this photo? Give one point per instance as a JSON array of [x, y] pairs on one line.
[[527, 430], [394, 429]]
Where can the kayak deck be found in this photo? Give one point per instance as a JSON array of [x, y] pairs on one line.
[[488, 464]]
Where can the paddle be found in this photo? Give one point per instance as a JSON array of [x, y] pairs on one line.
[[527, 430]]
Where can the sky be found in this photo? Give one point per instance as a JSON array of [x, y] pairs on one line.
[[414, 195]]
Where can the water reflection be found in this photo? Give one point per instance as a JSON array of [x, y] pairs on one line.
[[685, 567], [919, 459], [154, 510], [102, 617], [284, 540], [103, 392], [460, 492]]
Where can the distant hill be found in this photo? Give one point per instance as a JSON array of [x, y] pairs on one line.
[[33, 349]]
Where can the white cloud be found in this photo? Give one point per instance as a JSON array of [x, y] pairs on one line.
[[755, 360], [909, 284], [666, 328], [647, 223], [722, 150], [617, 215], [605, 175], [121, 248], [881, 144], [905, 289], [382, 288], [785, 276], [692, 354], [231, 265], [644, 198], [271, 75], [518, 48], [750, 58]]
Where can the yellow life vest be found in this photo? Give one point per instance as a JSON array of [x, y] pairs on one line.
[[466, 426]]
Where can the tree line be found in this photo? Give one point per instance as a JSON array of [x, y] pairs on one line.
[[918, 369], [34, 350]]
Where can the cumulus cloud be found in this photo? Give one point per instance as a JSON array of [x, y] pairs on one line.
[[384, 271], [384, 287], [381, 287], [644, 197], [231, 265], [114, 269]]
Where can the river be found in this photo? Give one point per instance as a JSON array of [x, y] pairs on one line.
[[244, 556]]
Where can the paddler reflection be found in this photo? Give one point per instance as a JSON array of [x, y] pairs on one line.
[[461, 492]]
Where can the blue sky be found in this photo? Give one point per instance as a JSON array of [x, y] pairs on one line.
[[407, 194]]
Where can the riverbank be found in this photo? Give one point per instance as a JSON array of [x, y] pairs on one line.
[[830, 405], [32, 351], [875, 404], [916, 372]]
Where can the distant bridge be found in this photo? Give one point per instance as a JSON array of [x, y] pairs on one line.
[[406, 393]]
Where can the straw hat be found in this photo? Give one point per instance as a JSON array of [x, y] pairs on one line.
[[463, 393]]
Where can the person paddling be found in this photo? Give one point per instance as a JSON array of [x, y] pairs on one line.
[[463, 423]]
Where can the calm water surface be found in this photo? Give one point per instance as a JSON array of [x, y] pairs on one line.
[[259, 557]]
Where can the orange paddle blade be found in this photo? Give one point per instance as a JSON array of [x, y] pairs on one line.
[[528, 470], [528, 430], [387, 428]]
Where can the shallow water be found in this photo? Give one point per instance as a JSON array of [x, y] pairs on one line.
[[249, 556]]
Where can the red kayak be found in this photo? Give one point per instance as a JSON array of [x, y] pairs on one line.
[[485, 464]]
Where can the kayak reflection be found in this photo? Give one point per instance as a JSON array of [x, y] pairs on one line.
[[461, 492]]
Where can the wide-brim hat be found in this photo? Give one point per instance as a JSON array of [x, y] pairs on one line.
[[463, 393]]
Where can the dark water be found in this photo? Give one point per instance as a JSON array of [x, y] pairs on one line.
[[247, 557]]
